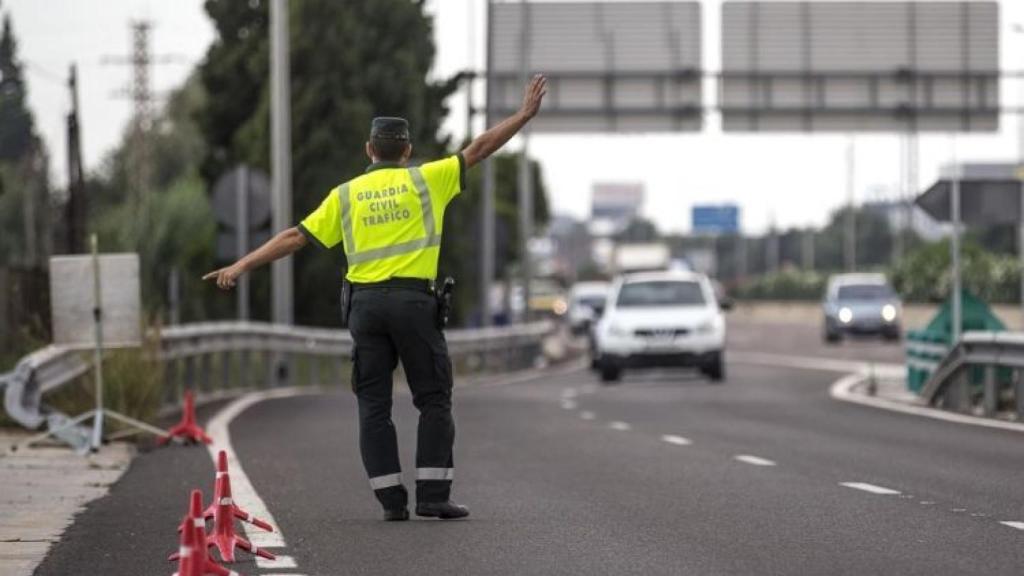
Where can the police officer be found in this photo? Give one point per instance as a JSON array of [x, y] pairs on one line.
[[389, 221]]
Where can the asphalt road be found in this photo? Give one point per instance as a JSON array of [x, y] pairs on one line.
[[661, 474]]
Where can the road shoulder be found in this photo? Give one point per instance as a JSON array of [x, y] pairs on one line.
[[43, 489]]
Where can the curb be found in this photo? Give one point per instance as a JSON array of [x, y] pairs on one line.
[[845, 390]]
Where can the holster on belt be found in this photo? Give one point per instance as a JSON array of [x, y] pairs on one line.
[[443, 293], [346, 302]]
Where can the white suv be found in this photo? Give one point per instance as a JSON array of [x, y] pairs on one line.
[[661, 319]]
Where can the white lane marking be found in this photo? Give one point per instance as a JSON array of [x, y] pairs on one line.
[[569, 393], [842, 390], [241, 487], [587, 415], [617, 425], [677, 440], [755, 460], [279, 562], [568, 404], [1017, 525], [588, 388], [869, 488]]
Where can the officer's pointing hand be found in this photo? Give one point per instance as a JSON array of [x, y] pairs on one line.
[[225, 277], [535, 92]]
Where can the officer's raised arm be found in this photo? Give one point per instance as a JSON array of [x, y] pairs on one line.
[[281, 245], [490, 141]]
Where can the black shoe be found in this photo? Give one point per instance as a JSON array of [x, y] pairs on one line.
[[397, 515], [443, 510]]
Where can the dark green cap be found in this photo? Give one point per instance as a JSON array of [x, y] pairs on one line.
[[390, 128]]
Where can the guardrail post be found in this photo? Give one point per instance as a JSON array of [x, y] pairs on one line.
[[172, 382], [991, 398], [243, 368], [270, 367], [1020, 394], [225, 370], [205, 371], [316, 363], [961, 390], [190, 372]]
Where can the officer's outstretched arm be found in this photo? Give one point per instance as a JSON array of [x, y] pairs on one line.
[[490, 141], [281, 245]]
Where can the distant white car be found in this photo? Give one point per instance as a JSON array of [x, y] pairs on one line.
[[658, 319], [586, 303]]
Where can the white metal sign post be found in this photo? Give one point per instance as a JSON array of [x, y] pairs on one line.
[[114, 304]]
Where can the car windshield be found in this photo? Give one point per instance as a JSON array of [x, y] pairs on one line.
[[669, 293], [865, 292]]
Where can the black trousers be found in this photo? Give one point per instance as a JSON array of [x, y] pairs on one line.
[[389, 324]]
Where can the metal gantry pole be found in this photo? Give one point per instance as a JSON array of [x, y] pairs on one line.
[[954, 199], [525, 180], [851, 217], [487, 247], [281, 161]]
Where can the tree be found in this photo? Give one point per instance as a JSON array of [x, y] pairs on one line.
[[17, 130], [350, 61]]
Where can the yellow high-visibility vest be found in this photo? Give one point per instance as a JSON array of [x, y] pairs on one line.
[[389, 219]]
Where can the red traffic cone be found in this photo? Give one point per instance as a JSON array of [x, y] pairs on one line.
[[211, 511], [223, 536], [187, 429], [194, 519], [193, 557]]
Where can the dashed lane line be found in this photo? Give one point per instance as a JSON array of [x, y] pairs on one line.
[[1017, 525], [869, 488], [569, 404], [755, 460], [621, 426], [676, 440], [587, 415]]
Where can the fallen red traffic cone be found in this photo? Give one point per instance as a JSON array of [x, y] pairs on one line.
[[223, 536], [211, 511], [187, 429], [193, 557]]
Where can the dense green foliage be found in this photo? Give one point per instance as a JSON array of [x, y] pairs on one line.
[[924, 275]]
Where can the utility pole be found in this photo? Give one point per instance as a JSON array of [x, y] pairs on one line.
[[76, 208], [525, 179], [281, 158], [808, 249], [487, 200]]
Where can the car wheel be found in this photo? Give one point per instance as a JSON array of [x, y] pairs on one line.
[[715, 368], [610, 374], [832, 337]]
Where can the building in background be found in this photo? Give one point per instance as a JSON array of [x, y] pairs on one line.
[[613, 206]]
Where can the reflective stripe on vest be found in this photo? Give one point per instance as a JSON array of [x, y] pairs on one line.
[[430, 239]]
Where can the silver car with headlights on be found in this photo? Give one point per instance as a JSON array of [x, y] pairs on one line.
[[861, 304]]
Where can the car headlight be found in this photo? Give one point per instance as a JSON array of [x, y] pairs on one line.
[[706, 327], [888, 312], [559, 307], [845, 315]]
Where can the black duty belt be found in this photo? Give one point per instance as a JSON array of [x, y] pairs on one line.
[[419, 284]]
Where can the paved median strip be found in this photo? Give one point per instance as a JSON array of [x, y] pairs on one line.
[[755, 460], [869, 488], [676, 440]]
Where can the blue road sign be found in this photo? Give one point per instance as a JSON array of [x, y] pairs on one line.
[[715, 219]]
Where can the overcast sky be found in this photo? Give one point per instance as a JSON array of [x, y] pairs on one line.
[[793, 179]]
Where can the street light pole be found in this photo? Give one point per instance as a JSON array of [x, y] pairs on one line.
[[487, 198], [281, 159], [1019, 29]]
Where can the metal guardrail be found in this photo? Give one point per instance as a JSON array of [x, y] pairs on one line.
[[219, 358], [983, 373]]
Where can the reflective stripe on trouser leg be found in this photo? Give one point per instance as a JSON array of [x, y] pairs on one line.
[[435, 474], [386, 481]]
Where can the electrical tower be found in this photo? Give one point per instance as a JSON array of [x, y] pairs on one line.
[[140, 91]]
